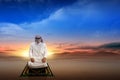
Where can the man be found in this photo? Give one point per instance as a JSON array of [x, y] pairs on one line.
[[38, 53]]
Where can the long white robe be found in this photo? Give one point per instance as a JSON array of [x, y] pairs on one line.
[[37, 51]]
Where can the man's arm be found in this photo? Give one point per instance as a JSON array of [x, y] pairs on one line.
[[45, 54], [30, 53], [45, 51]]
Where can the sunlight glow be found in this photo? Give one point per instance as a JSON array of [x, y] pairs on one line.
[[50, 53], [25, 53]]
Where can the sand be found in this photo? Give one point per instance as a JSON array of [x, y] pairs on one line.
[[82, 68]]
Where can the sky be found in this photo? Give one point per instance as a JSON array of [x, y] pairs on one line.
[[65, 25]]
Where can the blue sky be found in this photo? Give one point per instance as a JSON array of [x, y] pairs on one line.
[[19, 11], [60, 21]]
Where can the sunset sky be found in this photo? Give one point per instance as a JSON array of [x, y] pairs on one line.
[[65, 25]]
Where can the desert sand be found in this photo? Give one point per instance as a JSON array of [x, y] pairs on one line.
[[77, 68]]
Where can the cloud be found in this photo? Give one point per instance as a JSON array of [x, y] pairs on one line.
[[109, 49], [87, 53], [14, 32], [7, 50], [55, 23], [10, 29], [81, 20], [29, 10], [115, 45]]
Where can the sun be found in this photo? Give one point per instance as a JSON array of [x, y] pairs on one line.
[[50, 53], [25, 53]]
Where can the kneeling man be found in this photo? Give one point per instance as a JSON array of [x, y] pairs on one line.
[[38, 53]]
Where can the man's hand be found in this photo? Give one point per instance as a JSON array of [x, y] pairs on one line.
[[44, 60], [32, 59]]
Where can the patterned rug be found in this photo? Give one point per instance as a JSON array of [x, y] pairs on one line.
[[37, 72]]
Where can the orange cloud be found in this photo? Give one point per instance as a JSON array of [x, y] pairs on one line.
[[21, 49]]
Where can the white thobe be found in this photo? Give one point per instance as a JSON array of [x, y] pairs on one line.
[[38, 52]]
